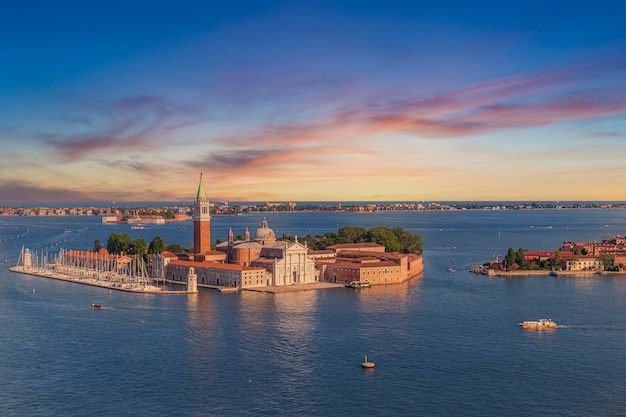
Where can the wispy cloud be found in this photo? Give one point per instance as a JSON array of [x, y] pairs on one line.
[[126, 125]]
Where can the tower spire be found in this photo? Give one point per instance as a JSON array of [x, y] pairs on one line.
[[201, 192]]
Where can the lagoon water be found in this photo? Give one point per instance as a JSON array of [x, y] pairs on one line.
[[445, 344]]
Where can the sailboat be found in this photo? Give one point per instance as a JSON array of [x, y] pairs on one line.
[[367, 364]]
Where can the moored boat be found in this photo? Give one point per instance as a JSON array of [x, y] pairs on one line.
[[359, 284], [538, 324]]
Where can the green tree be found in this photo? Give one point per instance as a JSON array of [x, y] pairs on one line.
[[138, 246], [510, 258], [607, 261], [175, 247], [349, 234], [409, 243], [97, 245], [157, 245], [520, 259], [557, 256], [118, 243], [383, 236]]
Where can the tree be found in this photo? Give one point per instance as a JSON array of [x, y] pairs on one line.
[[157, 245], [520, 259], [607, 261], [138, 246], [349, 234], [409, 243], [509, 259], [557, 256], [175, 247], [118, 243], [383, 236], [97, 245]]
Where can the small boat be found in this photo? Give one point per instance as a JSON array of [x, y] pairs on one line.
[[553, 273], [540, 324], [367, 364], [451, 270], [137, 227], [359, 284], [95, 307]]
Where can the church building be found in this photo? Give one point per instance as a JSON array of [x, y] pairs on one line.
[[262, 261]]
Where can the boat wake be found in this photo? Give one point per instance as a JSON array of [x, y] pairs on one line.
[[591, 326]]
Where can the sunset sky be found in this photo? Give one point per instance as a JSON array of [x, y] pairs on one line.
[[313, 100]]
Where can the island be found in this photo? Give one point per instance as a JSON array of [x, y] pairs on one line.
[[605, 257]]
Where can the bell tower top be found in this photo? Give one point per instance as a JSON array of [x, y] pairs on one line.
[[202, 207], [201, 221], [201, 193]]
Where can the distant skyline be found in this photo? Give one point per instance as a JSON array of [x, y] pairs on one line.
[[313, 101]]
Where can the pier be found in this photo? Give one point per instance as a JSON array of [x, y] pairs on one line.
[[144, 289]]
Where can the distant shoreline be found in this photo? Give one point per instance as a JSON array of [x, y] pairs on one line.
[[237, 209]]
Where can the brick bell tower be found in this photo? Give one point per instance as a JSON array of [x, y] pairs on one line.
[[201, 221]]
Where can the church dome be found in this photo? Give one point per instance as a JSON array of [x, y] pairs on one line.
[[265, 234]]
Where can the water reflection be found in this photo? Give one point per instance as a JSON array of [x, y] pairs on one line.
[[201, 325], [585, 282], [398, 297]]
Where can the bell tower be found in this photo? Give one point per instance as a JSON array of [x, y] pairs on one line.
[[201, 221]]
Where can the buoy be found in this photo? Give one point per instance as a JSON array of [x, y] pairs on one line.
[[367, 364]]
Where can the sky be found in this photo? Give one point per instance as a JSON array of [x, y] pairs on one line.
[[313, 100]]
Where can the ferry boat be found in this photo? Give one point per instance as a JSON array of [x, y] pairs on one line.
[[359, 284], [538, 324]]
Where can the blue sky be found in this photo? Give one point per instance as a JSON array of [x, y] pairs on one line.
[[308, 101]]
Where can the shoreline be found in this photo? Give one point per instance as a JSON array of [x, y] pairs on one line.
[[507, 274], [100, 284]]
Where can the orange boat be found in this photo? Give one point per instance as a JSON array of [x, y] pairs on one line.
[[367, 364], [540, 324]]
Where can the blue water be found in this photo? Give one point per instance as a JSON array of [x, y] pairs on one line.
[[444, 344]]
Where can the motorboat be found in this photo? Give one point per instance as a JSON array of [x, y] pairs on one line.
[[96, 307], [540, 324]]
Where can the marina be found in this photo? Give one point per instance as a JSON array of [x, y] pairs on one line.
[[95, 271]]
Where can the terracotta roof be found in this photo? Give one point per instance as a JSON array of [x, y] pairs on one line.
[[355, 245], [357, 265]]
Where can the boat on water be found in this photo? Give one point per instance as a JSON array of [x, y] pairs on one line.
[[137, 227], [451, 270], [540, 324], [359, 284], [367, 364], [96, 307]]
